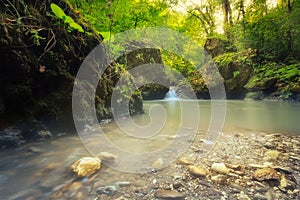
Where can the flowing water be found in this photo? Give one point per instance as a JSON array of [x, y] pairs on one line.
[[41, 168]]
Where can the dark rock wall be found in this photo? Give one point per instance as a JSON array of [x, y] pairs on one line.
[[40, 57]]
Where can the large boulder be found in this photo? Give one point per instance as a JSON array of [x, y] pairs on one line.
[[236, 69], [140, 57], [217, 46]]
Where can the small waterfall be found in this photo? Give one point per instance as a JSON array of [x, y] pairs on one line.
[[171, 94]]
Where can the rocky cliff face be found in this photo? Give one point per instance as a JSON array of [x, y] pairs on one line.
[[40, 55], [246, 76], [147, 56]]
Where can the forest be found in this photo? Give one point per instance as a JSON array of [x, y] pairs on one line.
[[149, 99], [254, 44]]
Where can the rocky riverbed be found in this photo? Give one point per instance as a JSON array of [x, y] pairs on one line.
[[250, 165]]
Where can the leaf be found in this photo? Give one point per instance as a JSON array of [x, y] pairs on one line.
[[58, 12], [69, 20], [105, 34], [236, 73], [76, 26]]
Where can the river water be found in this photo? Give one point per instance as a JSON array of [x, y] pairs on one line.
[[38, 169]]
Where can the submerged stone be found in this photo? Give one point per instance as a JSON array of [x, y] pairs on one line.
[[86, 166], [107, 156]]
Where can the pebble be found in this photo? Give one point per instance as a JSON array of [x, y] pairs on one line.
[[169, 194], [197, 171], [272, 155], [111, 189], [123, 184], [220, 168], [105, 156], [219, 179], [184, 161], [265, 174]]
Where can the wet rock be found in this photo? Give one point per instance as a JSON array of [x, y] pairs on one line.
[[105, 156], [266, 174], [10, 137], [220, 168], [197, 171], [86, 166], [169, 194], [123, 183], [272, 155], [35, 149], [184, 161], [111, 189], [35, 130], [43, 135], [219, 179]]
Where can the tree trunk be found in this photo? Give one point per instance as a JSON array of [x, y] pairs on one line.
[[288, 32], [227, 12]]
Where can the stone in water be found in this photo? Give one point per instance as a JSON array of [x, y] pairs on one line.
[[86, 166], [107, 156]]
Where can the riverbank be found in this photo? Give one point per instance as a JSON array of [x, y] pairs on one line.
[[242, 165]]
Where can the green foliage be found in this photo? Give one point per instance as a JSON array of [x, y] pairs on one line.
[[236, 73], [59, 13], [284, 76], [35, 36], [281, 72], [225, 59]]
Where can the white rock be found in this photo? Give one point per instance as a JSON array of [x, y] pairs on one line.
[[220, 168]]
